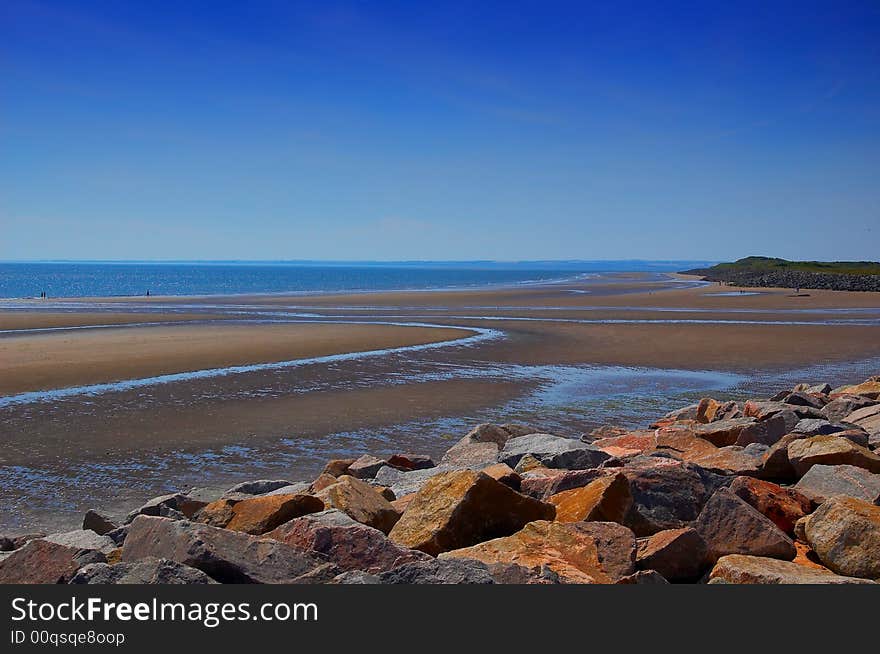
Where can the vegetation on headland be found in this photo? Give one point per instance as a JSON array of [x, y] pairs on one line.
[[775, 272]]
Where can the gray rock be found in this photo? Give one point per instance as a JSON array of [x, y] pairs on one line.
[[478, 448], [226, 556], [82, 539], [356, 577], [818, 427], [819, 389], [186, 505], [118, 535], [769, 430], [257, 487], [145, 571], [366, 466], [643, 577], [841, 407], [824, 482], [729, 525], [439, 571], [553, 452], [403, 483], [206, 494], [97, 523], [803, 398], [293, 489]]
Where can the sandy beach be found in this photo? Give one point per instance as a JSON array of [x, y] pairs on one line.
[[560, 350]]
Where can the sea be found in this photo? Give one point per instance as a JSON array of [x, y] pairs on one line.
[[197, 278]]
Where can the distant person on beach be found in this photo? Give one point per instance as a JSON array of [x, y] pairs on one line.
[[148, 293]]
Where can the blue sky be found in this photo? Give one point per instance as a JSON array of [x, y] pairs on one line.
[[404, 130]]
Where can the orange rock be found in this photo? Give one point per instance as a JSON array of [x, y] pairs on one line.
[[261, 514], [579, 552], [401, 503], [683, 443], [505, 474], [784, 506], [706, 410], [627, 444], [360, 501], [323, 481], [870, 389], [607, 499], [216, 514], [807, 557], [458, 509], [338, 467]]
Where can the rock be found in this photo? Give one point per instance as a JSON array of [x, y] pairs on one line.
[[356, 577], [439, 571], [769, 430], [819, 427], [723, 432], [764, 410], [823, 482], [775, 463], [606, 500], [578, 552], [9, 543], [366, 466], [323, 481], [867, 419], [553, 452], [186, 505], [458, 509], [206, 494], [529, 464], [730, 526], [145, 571], [807, 557], [118, 535], [743, 569], [97, 523], [818, 389], [337, 467], [261, 514], [709, 410], [627, 444], [360, 501], [294, 489], [804, 398], [82, 539], [225, 556], [405, 483], [734, 460], [478, 448], [845, 534], [870, 389], [385, 492], [345, 542], [512, 573], [41, 561], [401, 503], [841, 407], [685, 444], [257, 487], [830, 450], [783, 506], [677, 554], [505, 474], [217, 513], [667, 494], [409, 462], [643, 577], [545, 482]]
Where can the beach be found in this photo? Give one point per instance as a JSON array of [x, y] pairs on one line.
[[116, 398]]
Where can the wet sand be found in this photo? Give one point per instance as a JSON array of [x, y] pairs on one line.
[[555, 362], [30, 362]]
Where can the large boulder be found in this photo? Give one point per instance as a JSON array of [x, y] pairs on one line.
[[775, 463], [605, 500], [457, 509], [731, 526], [723, 432], [224, 555], [145, 571], [744, 569], [174, 502], [405, 482], [783, 506], [360, 501], [345, 542], [578, 552], [677, 554], [98, 523], [261, 514], [823, 482], [842, 406], [870, 389], [82, 539], [552, 452], [41, 561], [845, 534], [257, 487], [667, 493], [366, 466], [831, 451], [478, 448], [439, 571], [768, 430], [544, 482], [820, 427], [626, 444], [868, 419], [733, 460]]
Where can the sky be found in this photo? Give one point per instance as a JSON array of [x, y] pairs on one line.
[[439, 131]]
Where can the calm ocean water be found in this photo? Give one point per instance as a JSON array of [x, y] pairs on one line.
[[20, 280]]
